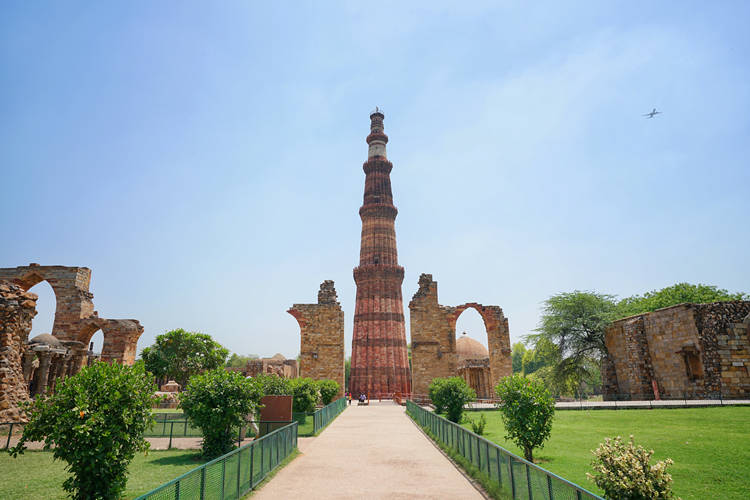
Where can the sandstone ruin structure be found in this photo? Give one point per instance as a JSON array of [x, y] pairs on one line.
[[276, 365], [75, 317], [33, 367], [322, 336], [433, 338], [683, 351], [17, 309], [380, 363]]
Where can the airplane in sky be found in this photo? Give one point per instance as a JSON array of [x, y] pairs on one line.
[[652, 113]]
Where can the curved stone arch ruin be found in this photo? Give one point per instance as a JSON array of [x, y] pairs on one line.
[[433, 337], [75, 317]]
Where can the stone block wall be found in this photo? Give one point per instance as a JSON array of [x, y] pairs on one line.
[[433, 337], [322, 336], [687, 350], [17, 309]]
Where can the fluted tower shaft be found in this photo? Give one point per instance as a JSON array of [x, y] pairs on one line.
[[380, 365]]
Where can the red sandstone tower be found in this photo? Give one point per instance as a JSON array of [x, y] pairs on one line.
[[380, 365]]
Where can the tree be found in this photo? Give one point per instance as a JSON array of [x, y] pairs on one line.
[[305, 393], [95, 420], [239, 361], [575, 323], [449, 395], [347, 372], [217, 402], [273, 385], [673, 295], [328, 390], [624, 472], [178, 355], [527, 411], [516, 355]]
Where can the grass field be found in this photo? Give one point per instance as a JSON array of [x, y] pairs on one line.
[[710, 446], [35, 475]]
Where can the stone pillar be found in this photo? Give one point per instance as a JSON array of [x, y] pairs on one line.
[[28, 365], [42, 373]]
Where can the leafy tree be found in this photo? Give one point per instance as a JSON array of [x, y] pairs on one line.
[[95, 420], [239, 361], [624, 472], [544, 353], [449, 395], [217, 402], [575, 323], [328, 390], [673, 295], [273, 385], [527, 410], [178, 355], [305, 393], [347, 372], [516, 355]]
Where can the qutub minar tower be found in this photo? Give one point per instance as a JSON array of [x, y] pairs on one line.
[[380, 365]]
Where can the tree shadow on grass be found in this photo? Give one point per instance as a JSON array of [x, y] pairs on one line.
[[187, 459]]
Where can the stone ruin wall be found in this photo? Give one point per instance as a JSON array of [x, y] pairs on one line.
[[322, 337], [75, 317], [433, 338], [17, 309], [654, 347]]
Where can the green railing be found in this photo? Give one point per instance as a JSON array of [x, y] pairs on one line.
[[325, 415], [517, 477], [233, 475], [320, 418]]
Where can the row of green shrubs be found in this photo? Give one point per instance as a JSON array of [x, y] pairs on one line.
[[622, 471], [96, 420]]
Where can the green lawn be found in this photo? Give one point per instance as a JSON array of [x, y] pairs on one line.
[[35, 475], [710, 446]]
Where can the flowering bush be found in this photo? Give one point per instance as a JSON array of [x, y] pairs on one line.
[[94, 422], [624, 473]]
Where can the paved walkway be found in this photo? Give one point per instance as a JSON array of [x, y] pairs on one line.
[[370, 452]]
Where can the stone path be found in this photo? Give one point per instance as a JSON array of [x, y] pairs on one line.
[[370, 451]]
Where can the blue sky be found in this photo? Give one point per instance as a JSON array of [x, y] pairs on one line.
[[205, 160]]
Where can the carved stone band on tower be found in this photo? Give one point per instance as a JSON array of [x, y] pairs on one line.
[[380, 365]]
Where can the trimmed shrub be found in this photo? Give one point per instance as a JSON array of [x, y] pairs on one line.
[[527, 409], [449, 395], [95, 420], [217, 402], [624, 472], [273, 385], [305, 393], [328, 390]]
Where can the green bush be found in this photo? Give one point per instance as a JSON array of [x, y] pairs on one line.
[[178, 355], [449, 395], [478, 425], [305, 392], [328, 390], [217, 402], [96, 421], [527, 410], [624, 472], [273, 385]]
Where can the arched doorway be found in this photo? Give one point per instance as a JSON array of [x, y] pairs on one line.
[[46, 306], [472, 354]]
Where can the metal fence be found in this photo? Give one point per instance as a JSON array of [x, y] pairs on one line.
[[7, 431], [233, 475], [325, 415], [517, 477]]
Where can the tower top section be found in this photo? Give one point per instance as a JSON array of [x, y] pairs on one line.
[[377, 138]]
